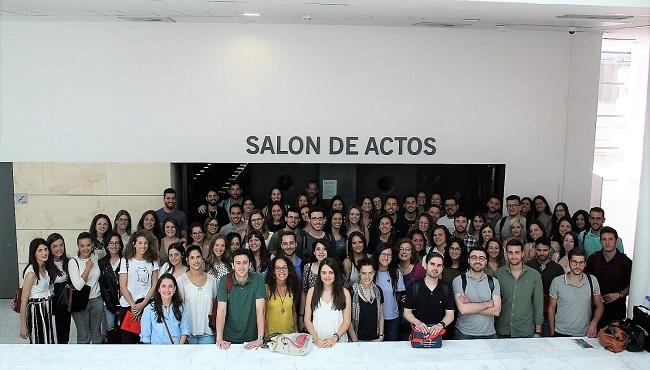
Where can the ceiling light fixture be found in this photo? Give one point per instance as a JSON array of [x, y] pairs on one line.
[[471, 20], [251, 14]]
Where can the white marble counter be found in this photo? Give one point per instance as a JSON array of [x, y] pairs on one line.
[[544, 353]]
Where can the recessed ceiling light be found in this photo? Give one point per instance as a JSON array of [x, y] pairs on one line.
[[202, 170], [471, 20], [251, 14]]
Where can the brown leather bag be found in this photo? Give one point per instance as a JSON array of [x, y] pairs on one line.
[[18, 299], [613, 338]]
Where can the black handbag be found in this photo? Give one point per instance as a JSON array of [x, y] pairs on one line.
[[78, 300], [641, 317], [61, 293], [638, 335]]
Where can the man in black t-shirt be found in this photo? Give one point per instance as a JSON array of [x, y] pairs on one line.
[[429, 302]]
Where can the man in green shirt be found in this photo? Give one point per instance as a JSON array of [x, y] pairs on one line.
[[522, 296], [240, 314]]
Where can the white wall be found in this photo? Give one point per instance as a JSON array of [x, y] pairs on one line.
[[122, 92]]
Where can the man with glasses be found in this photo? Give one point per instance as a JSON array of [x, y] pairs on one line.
[[493, 214], [590, 239], [292, 219], [429, 304], [513, 206], [572, 298], [314, 232], [522, 296], [478, 298], [613, 270], [451, 207]]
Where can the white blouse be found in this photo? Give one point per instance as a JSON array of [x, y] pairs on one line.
[[198, 302], [41, 288]]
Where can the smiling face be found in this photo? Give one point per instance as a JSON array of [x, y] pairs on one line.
[[198, 235], [114, 246], [148, 222], [526, 206], [170, 200], [276, 195], [366, 205], [219, 247], [101, 226], [213, 227], [391, 206], [385, 257], [515, 254], [405, 252], [421, 199], [477, 223], [122, 223], [539, 205], [302, 201], [240, 265], [477, 260], [377, 203], [367, 274], [534, 231], [41, 254], [175, 257], [276, 213], [141, 246], [195, 260], [354, 216], [166, 289], [316, 220], [170, 229], [337, 205], [357, 244], [257, 221], [248, 206], [235, 244], [434, 212], [337, 220], [327, 275], [254, 244], [516, 228], [454, 251], [487, 233], [288, 245], [439, 237], [281, 270], [57, 248], [493, 249], [568, 242], [385, 226], [559, 211], [423, 223], [418, 242], [410, 204], [320, 252], [85, 247], [564, 227]]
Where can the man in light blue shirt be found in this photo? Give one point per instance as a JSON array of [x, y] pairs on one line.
[[590, 239]]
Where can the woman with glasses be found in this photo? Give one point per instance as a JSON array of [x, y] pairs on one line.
[[211, 227], [455, 262], [256, 222], [408, 263], [367, 322], [176, 261], [282, 294], [197, 233], [122, 225], [389, 278]]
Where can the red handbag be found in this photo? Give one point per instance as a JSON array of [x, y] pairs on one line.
[[131, 323], [425, 340]]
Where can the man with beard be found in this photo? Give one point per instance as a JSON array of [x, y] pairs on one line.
[[460, 230], [548, 269], [236, 224], [451, 207], [522, 296], [405, 222], [292, 220], [234, 190], [169, 210], [493, 215], [574, 294], [513, 206], [212, 209], [478, 298], [613, 269], [590, 239], [429, 302], [288, 244]]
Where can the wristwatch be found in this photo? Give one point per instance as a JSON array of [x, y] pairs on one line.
[[443, 324], [335, 335]]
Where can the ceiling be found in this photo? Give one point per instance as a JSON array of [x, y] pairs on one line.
[[592, 15]]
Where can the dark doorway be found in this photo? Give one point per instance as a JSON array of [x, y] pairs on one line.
[[8, 263], [471, 184]]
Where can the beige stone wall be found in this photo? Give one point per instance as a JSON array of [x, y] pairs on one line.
[[64, 197]]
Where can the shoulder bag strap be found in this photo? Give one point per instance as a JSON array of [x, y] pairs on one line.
[[167, 328]]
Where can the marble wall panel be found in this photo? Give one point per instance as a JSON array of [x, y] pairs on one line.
[[75, 178]]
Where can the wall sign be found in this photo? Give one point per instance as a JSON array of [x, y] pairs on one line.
[[347, 145]]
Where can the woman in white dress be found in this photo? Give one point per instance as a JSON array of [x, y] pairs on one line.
[[328, 307]]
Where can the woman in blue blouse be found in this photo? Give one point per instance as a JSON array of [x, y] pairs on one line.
[[164, 320]]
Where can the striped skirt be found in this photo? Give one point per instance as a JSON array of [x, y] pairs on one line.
[[40, 323]]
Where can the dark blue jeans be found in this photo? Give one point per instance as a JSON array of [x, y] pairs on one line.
[[391, 329], [459, 335]]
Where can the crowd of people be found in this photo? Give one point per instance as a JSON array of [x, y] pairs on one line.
[[374, 272]]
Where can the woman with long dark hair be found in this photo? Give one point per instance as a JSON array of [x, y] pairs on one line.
[[282, 295], [542, 213], [383, 234], [61, 314], [355, 252], [478, 220], [322, 249], [328, 306], [335, 227], [137, 276], [367, 214], [165, 320], [425, 224], [216, 264], [100, 230], [197, 232], [175, 264], [486, 233], [109, 267], [535, 230], [569, 242], [353, 221], [211, 228], [527, 209], [455, 262], [233, 242], [275, 217], [441, 240], [172, 235], [407, 262], [259, 253], [560, 210], [36, 321], [496, 256], [389, 278], [564, 225], [367, 321], [275, 195], [581, 221], [149, 221], [122, 225], [419, 243], [257, 222], [198, 290]]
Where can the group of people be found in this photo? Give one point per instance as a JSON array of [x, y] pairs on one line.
[[374, 272]]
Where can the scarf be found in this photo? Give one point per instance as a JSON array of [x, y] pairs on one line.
[[359, 293]]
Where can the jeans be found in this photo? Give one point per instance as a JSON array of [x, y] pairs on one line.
[[459, 335], [201, 339], [89, 322], [110, 319], [391, 329]]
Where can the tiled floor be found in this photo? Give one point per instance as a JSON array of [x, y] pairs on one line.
[[10, 326]]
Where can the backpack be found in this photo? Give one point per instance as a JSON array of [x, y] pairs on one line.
[[212, 317], [502, 222], [463, 279]]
